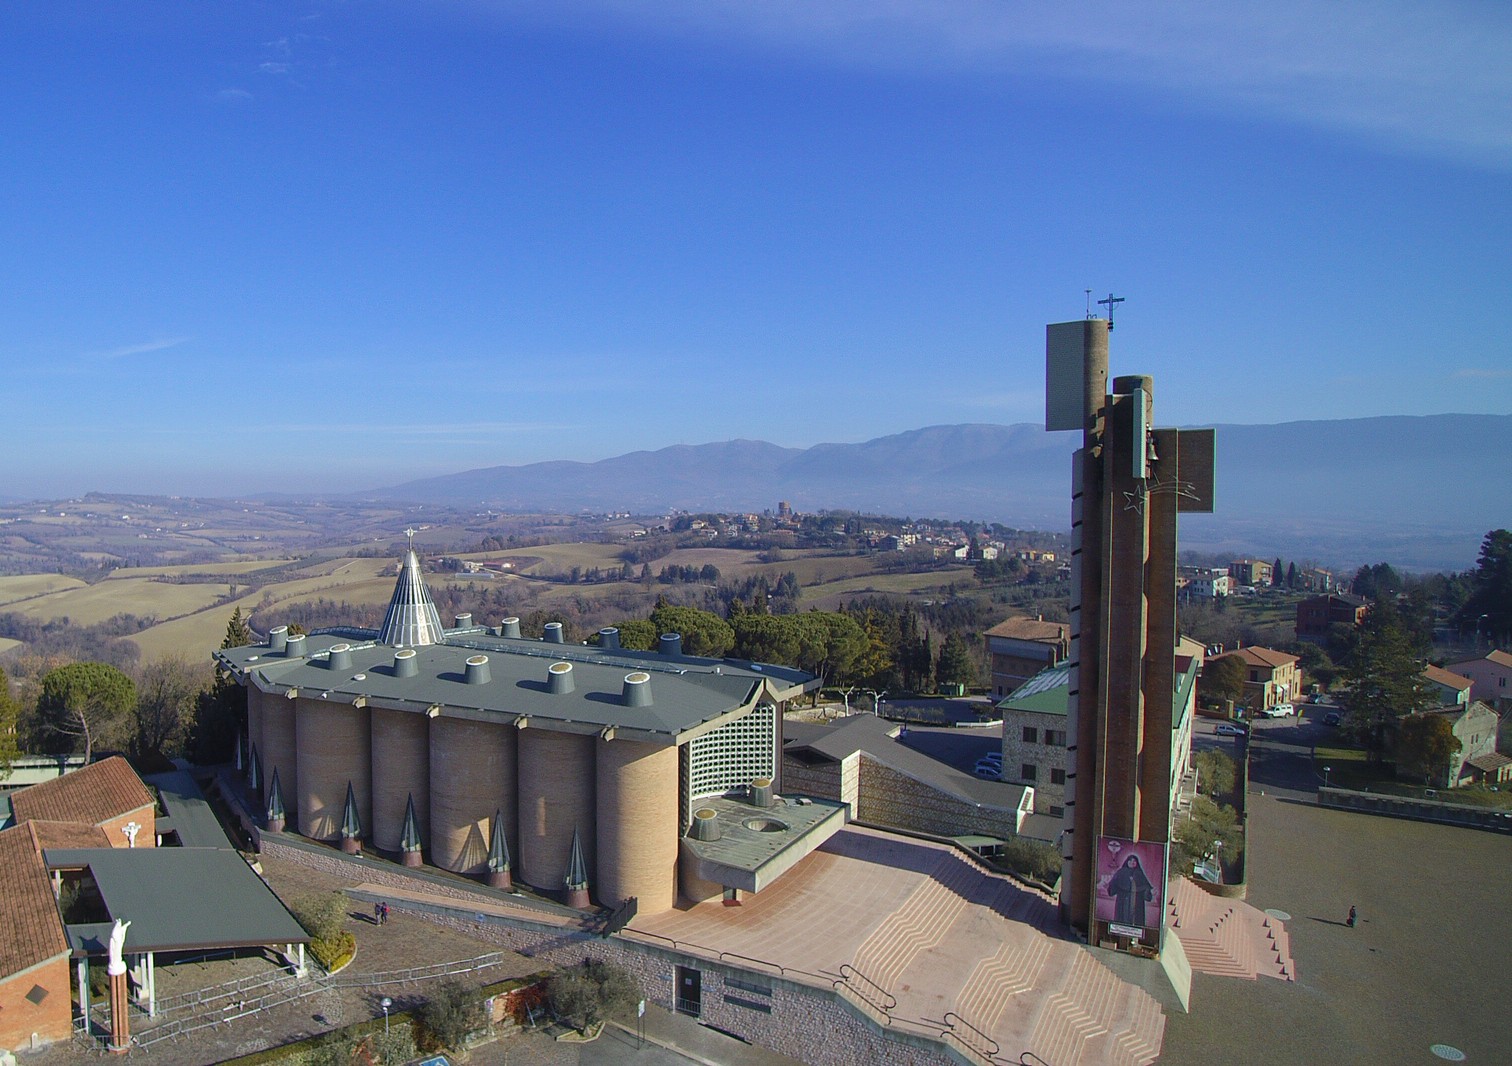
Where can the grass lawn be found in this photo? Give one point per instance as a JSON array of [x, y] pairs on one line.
[[1350, 768]]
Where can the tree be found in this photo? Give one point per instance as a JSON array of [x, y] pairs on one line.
[[1383, 676], [1209, 830], [82, 704], [586, 995], [221, 709], [831, 644], [10, 712], [1491, 589], [1426, 745], [1276, 573], [1216, 773], [703, 632], [168, 693], [767, 638], [1291, 575], [955, 666], [449, 1014], [637, 634], [1223, 679]]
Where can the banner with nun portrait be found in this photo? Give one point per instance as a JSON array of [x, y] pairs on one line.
[[1131, 877]]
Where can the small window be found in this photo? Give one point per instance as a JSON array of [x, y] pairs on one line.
[[1031, 734], [1057, 777], [1056, 737], [1030, 771], [1057, 812]]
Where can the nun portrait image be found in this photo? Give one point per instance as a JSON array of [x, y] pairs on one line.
[[1131, 891]]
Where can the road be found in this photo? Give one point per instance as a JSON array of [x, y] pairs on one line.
[[1281, 750]]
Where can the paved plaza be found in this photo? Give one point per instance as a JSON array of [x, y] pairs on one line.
[[1424, 966]]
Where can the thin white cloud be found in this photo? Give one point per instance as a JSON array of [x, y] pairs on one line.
[[129, 350], [1426, 76], [233, 96], [1481, 374]]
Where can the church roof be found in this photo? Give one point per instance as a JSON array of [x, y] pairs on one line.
[[412, 619], [31, 931]]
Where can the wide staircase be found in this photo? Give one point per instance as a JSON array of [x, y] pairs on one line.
[[986, 956], [1227, 937]]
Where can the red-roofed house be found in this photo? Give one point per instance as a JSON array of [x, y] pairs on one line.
[[1270, 677], [107, 795], [1449, 690], [1491, 678], [1021, 647], [36, 1006]]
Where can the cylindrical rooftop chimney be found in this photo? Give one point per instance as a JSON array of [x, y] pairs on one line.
[[295, 646], [510, 627], [477, 670], [553, 633], [761, 792], [637, 691], [705, 824], [559, 679], [278, 639], [404, 663], [671, 643], [464, 621], [609, 637], [340, 657]]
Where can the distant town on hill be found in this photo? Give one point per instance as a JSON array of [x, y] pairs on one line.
[[1415, 490]]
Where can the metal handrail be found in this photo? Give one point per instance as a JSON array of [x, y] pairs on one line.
[[847, 971], [996, 1047], [1025, 1056]]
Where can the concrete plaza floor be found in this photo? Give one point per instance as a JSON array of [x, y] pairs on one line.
[[1424, 966]]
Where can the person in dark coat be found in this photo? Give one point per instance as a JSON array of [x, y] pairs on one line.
[[1352, 915]]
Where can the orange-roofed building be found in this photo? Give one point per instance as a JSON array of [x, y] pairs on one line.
[[34, 991], [107, 795]]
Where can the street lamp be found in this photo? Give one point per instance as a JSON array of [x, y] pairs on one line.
[[385, 1003], [1325, 775]]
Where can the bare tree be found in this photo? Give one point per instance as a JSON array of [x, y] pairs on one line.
[[167, 692]]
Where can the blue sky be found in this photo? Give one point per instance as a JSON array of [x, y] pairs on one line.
[[318, 247]]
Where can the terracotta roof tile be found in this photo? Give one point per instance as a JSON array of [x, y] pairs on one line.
[[1439, 676], [31, 931], [69, 835], [90, 795], [1031, 629]]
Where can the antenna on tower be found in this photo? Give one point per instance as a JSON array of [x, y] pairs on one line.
[[1089, 302], [1112, 302]]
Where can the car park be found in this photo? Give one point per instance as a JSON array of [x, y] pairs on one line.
[[989, 769], [1229, 729]]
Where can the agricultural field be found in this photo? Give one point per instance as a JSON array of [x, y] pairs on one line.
[[17, 588]]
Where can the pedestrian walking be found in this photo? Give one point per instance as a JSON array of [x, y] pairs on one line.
[[1353, 914], [377, 913], [383, 918]]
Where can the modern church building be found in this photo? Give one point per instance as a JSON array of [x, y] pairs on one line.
[[598, 770]]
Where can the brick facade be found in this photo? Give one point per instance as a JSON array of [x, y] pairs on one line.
[[21, 1017]]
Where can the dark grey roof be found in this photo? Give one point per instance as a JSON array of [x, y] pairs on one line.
[[188, 814], [687, 692], [178, 899], [877, 738]]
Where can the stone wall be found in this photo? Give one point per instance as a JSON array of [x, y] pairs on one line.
[[814, 1025], [889, 798]]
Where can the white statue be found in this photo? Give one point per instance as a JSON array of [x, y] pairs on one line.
[[117, 964], [131, 829]]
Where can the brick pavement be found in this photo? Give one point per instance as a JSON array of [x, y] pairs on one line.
[[1423, 967]]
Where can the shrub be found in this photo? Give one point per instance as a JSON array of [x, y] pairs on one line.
[[586, 995], [1033, 858], [449, 1014], [333, 953]]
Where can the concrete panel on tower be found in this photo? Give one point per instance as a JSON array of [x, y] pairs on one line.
[[1065, 376], [1196, 456]]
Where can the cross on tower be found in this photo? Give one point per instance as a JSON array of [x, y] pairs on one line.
[[1112, 302], [410, 533]]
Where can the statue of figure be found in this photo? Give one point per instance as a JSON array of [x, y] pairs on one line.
[[131, 829], [117, 964]]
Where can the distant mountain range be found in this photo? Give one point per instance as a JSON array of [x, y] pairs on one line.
[[1418, 491]]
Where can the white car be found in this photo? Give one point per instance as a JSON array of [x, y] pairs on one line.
[[1283, 710], [1229, 729]]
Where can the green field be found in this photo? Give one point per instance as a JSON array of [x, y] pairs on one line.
[[25, 586]]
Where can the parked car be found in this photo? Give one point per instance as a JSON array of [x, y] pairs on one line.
[[989, 769], [1230, 729], [1283, 710], [993, 756], [1332, 718]]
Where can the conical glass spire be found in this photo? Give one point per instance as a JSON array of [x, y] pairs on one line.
[[409, 838], [498, 847], [577, 869], [412, 619], [351, 821]]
